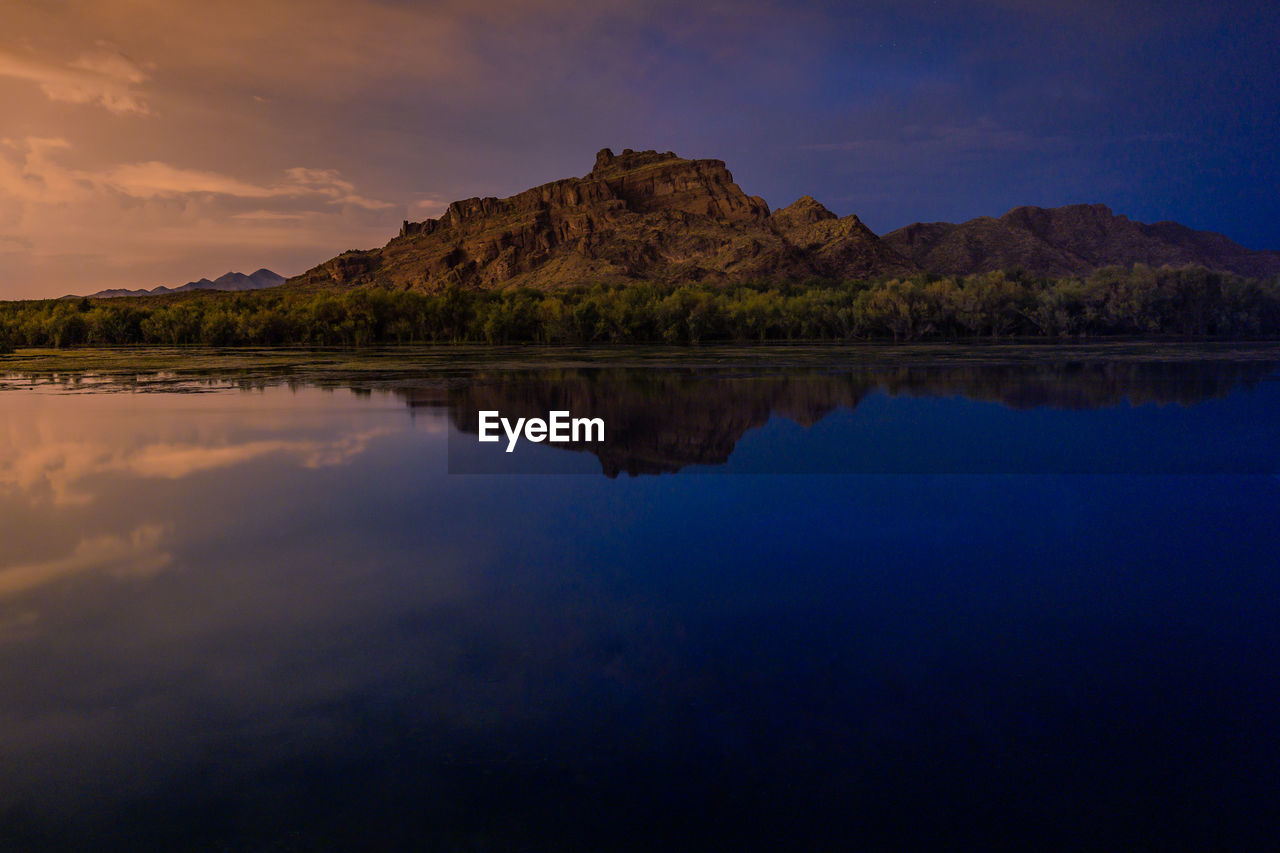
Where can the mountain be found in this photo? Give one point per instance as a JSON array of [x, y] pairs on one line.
[[231, 281], [1071, 240], [636, 215]]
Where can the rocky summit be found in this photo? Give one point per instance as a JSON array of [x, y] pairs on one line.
[[1071, 240], [638, 215]]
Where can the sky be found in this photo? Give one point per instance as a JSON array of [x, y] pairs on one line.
[[148, 142]]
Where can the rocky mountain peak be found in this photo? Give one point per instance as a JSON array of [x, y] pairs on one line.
[[637, 215], [655, 181], [608, 163], [803, 211]]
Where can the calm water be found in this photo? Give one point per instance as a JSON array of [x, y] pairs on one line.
[[1038, 606]]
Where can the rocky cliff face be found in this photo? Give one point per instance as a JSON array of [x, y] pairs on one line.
[[636, 215], [1070, 241]]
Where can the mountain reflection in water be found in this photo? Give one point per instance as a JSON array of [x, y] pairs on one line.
[[261, 615], [661, 421]]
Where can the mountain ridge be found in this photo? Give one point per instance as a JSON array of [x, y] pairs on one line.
[[1071, 240], [256, 280], [654, 216]]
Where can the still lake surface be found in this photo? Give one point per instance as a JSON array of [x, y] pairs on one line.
[[1033, 602]]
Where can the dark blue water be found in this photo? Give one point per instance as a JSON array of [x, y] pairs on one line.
[[272, 620]]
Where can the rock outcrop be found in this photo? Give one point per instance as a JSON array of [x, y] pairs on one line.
[[1071, 240], [638, 215]]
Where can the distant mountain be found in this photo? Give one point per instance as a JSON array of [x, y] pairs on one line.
[[1071, 240], [231, 281], [638, 215]]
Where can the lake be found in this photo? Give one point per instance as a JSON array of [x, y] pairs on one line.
[[876, 598]]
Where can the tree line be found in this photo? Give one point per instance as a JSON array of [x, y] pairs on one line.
[[1140, 301]]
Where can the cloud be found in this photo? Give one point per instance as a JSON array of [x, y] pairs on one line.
[[429, 206], [39, 177], [329, 182], [103, 76], [175, 461], [137, 553], [60, 468], [155, 179], [31, 174]]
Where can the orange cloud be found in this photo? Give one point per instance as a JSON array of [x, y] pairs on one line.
[[136, 553], [40, 177], [60, 468], [102, 76], [153, 179]]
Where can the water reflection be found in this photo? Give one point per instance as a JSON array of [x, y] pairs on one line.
[[52, 446], [270, 619], [660, 421], [136, 553], [187, 578]]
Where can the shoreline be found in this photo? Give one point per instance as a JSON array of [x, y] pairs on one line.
[[161, 366]]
